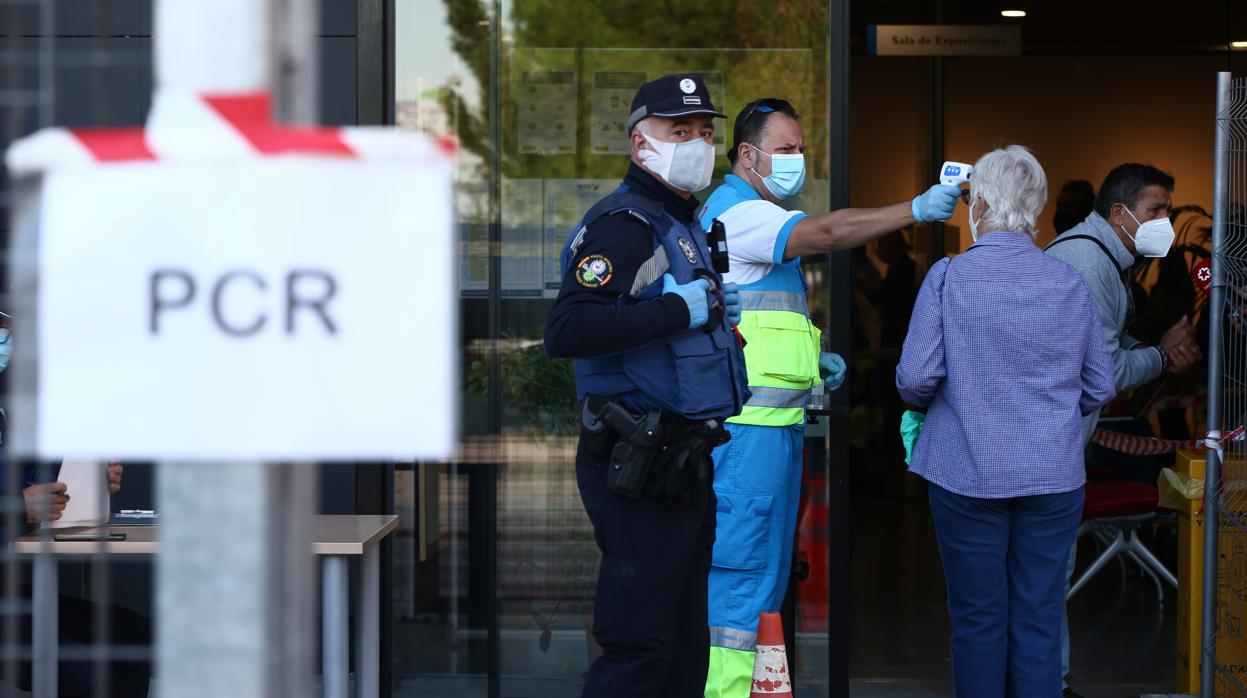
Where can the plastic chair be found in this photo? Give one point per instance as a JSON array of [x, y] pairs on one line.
[[1113, 512]]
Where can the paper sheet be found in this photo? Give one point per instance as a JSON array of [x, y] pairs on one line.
[[87, 486]]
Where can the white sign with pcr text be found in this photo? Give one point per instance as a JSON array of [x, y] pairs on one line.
[[287, 308]]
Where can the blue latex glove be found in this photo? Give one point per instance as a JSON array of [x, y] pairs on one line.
[[694, 295], [937, 204], [833, 369], [911, 427], [731, 303]]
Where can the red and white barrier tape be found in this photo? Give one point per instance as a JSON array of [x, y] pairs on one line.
[[1149, 446], [212, 127]]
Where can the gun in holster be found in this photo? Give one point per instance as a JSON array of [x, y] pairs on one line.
[[640, 439]]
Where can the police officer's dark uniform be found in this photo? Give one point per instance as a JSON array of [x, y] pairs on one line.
[[639, 366]]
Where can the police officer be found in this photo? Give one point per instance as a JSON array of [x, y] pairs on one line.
[[649, 322], [757, 475]]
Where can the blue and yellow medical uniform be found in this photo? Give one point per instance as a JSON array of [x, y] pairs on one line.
[[757, 474]]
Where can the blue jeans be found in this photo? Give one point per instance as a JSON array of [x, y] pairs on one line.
[[1069, 577], [1004, 562]]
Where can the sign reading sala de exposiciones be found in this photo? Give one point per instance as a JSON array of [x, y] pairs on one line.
[[943, 40]]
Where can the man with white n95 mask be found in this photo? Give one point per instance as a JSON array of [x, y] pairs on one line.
[[1130, 221], [757, 476]]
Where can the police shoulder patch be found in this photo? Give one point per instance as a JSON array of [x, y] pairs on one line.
[[690, 252], [594, 271]]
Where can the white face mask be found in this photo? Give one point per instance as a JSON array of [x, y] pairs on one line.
[[974, 224], [686, 166], [1153, 238]]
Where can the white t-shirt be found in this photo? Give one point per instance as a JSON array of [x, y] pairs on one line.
[[758, 233]]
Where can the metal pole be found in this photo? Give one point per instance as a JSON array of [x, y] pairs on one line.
[[368, 624], [335, 610], [1216, 360], [296, 90], [294, 491], [937, 244], [235, 570], [487, 477], [44, 639], [839, 322]]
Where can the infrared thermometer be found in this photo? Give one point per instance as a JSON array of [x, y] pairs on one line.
[[956, 173]]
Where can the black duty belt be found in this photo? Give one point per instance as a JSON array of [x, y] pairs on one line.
[[665, 456]]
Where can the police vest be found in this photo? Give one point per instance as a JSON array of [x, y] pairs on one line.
[[782, 348], [693, 374]]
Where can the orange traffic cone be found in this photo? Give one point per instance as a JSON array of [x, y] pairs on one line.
[[770, 660]]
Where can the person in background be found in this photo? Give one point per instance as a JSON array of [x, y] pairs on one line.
[[899, 288], [758, 472], [40, 499], [1073, 204], [648, 321], [1130, 221], [1005, 354]]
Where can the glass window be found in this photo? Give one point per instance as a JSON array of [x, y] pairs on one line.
[[537, 105]]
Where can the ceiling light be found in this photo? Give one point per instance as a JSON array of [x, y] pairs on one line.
[[1013, 13], [1239, 45]]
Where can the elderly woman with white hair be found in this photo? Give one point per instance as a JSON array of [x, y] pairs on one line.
[[1005, 354]]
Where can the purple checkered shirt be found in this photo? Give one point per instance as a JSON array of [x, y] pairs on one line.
[[1005, 352]]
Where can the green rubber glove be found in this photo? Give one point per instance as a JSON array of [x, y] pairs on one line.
[[911, 427]]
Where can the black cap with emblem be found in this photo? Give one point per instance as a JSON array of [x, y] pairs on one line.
[[671, 96]]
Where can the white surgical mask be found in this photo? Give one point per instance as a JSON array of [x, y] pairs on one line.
[[686, 166], [1153, 238]]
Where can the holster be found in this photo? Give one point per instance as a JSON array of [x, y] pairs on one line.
[[639, 441], [668, 459]]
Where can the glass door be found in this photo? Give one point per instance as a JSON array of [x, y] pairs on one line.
[[494, 589]]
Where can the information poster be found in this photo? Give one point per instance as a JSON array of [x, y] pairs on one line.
[[546, 112], [611, 105], [753, 73], [522, 249], [566, 201]]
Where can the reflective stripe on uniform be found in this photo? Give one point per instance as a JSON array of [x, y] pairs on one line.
[[733, 639], [651, 271], [769, 416], [774, 300], [778, 397]]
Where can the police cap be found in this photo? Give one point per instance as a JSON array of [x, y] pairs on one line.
[[671, 96]]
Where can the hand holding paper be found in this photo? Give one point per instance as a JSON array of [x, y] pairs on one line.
[[45, 502], [86, 482]]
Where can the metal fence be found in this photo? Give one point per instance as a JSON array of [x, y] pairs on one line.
[[84, 65], [1224, 662]]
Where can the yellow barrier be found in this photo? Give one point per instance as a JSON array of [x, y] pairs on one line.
[[1231, 649]]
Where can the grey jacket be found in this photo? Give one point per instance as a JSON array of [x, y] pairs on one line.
[[1133, 365]]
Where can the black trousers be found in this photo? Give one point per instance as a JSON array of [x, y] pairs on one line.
[[130, 631], [650, 616]]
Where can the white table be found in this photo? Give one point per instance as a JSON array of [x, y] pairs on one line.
[[337, 541]]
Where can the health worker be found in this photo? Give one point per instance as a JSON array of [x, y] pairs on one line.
[[757, 474], [648, 322]]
